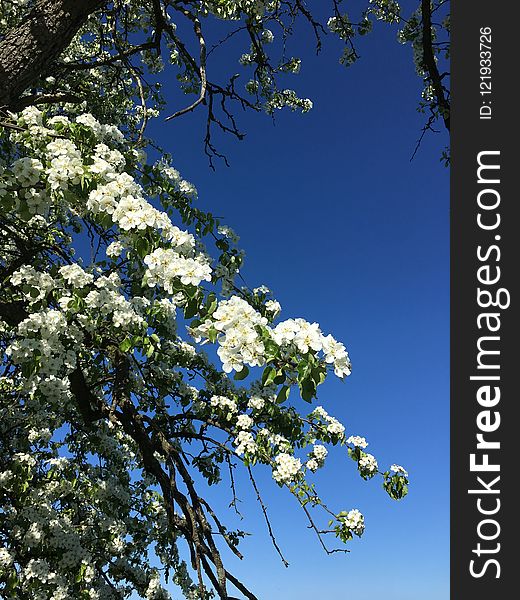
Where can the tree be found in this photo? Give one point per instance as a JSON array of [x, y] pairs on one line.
[[110, 292]]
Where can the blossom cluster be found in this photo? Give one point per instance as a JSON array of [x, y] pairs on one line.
[[227, 406], [46, 337], [354, 521], [317, 457], [122, 199], [245, 443], [166, 266], [357, 440], [239, 328], [332, 425], [367, 465], [308, 336], [39, 284], [287, 468], [240, 343]]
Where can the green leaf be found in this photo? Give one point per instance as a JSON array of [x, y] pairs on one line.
[[211, 304], [191, 308], [222, 245], [142, 246], [241, 374], [280, 377], [318, 374], [268, 375], [191, 291], [283, 394], [81, 573], [34, 292], [125, 345], [307, 389], [12, 580]]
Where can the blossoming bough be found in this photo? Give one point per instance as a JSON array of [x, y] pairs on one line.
[[108, 401]]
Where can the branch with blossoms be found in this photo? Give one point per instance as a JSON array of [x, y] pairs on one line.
[[105, 364]]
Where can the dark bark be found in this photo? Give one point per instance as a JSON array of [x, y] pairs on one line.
[[28, 50]]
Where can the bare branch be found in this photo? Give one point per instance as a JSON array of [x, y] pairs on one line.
[[266, 517], [201, 70]]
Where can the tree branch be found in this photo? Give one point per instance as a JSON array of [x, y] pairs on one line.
[[430, 65]]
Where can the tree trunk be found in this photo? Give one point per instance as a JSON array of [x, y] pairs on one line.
[[28, 49]]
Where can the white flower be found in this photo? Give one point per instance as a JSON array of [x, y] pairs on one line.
[[244, 422], [6, 558], [237, 323], [245, 442], [256, 403], [312, 464], [64, 302], [320, 452], [41, 283], [31, 116], [66, 164], [38, 201], [37, 569], [166, 266], [368, 463], [75, 276], [398, 469], [317, 457], [335, 427], [225, 405], [114, 249], [308, 337], [320, 412], [355, 521], [27, 171], [229, 233], [287, 468], [285, 331], [267, 36], [34, 535], [358, 441], [336, 353], [263, 289], [307, 105], [23, 458], [155, 591], [59, 119], [273, 307], [304, 335], [89, 121]]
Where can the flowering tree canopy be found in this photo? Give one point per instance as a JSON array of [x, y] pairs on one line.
[[114, 284]]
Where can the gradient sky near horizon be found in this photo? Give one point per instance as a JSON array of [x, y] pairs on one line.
[[346, 231]]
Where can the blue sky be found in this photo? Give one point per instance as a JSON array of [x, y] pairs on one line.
[[348, 232]]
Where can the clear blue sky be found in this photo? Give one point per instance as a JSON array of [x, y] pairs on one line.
[[346, 231]]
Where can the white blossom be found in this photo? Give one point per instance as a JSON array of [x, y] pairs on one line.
[[368, 463], [244, 422], [287, 468], [398, 469], [358, 441], [27, 171]]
